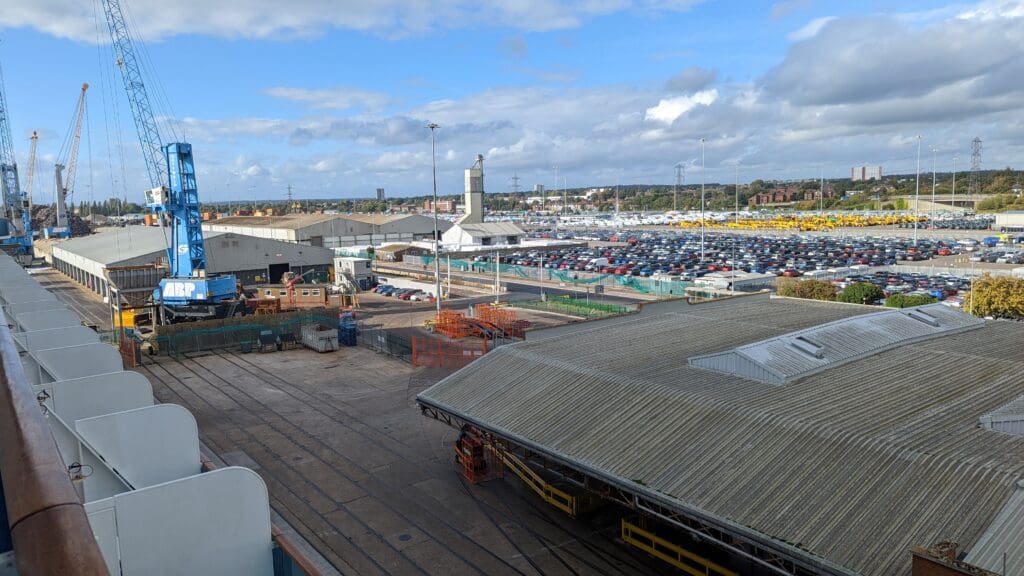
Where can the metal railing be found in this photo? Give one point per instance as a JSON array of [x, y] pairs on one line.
[[48, 528]]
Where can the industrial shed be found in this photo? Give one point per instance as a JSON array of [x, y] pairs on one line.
[[331, 230], [851, 457], [253, 260]]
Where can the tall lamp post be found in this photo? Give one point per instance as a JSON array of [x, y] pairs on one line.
[[437, 241], [917, 190], [953, 201], [702, 201], [931, 221]]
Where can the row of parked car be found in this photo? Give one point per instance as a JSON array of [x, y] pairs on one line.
[[413, 294], [679, 254], [999, 256], [938, 286]]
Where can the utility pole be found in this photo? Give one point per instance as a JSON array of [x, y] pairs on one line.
[[917, 190], [931, 221], [821, 194], [974, 187], [288, 208], [675, 188], [702, 201], [437, 241], [953, 202]]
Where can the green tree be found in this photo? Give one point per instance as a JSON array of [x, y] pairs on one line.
[[810, 289], [996, 296], [861, 293], [908, 300]]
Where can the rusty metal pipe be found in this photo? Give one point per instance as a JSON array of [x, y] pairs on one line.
[[49, 528]]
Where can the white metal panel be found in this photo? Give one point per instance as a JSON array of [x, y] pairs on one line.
[[148, 445], [78, 361], [216, 524], [90, 396], [60, 318], [104, 527], [53, 338]]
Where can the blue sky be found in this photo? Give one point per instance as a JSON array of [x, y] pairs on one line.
[[331, 96]]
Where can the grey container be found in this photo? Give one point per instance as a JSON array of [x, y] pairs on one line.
[[320, 338]]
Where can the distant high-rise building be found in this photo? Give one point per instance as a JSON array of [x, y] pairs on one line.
[[865, 173], [380, 194]]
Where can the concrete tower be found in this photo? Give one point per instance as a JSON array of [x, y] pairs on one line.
[[474, 193]]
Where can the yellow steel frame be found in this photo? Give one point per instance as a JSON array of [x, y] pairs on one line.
[[556, 497], [673, 554]]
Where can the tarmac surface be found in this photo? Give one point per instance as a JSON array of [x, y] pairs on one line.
[[355, 469]]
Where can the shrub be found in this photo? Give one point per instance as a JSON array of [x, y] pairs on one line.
[[908, 300], [861, 293], [996, 296], [810, 289]]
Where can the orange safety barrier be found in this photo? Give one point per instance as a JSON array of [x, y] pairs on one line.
[[438, 353], [452, 325]]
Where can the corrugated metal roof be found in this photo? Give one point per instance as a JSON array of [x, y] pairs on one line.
[[491, 229], [855, 464], [798, 354], [113, 246], [1004, 536], [289, 222]]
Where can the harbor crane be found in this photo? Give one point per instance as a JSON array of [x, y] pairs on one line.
[[187, 293], [66, 186], [17, 208]]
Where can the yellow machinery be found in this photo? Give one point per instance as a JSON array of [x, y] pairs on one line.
[[675, 555]]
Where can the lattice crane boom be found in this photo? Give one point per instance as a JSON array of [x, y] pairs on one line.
[[9, 165], [138, 97], [76, 138], [31, 176]]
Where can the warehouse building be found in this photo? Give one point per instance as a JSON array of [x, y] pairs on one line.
[[792, 436], [253, 260], [1009, 221], [331, 230]]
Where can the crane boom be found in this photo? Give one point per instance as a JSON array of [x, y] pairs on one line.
[[76, 137], [9, 166], [138, 97], [31, 176]]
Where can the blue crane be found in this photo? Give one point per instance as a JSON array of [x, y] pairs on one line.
[[187, 292], [16, 204]]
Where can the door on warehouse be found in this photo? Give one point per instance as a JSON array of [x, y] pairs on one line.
[[275, 271]]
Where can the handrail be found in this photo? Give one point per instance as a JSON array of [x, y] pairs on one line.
[[49, 528]]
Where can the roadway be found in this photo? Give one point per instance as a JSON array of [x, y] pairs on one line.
[[524, 286]]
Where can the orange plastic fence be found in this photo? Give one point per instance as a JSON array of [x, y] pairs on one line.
[[438, 353]]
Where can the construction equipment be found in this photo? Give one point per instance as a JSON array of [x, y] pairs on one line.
[[290, 279], [17, 208], [65, 187], [187, 293]]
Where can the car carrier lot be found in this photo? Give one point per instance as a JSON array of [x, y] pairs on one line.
[[351, 464]]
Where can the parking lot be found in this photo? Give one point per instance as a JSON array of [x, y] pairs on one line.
[[680, 254]]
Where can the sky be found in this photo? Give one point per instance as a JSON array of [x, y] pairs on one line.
[[332, 97]]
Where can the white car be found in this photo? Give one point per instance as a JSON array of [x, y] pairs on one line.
[[420, 297]]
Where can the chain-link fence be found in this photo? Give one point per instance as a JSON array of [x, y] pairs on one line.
[[574, 307], [576, 279], [391, 342]]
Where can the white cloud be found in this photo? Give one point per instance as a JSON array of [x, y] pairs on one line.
[[156, 19], [810, 30], [331, 98], [669, 109]]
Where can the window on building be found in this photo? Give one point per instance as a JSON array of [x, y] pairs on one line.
[[305, 291], [512, 239], [316, 291], [268, 292], [282, 292], [486, 240]]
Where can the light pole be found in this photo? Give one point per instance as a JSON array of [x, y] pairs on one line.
[[917, 190], [437, 241], [702, 201], [931, 222], [953, 201]]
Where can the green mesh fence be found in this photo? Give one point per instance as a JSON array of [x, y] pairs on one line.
[[656, 286], [234, 335], [574, 307]]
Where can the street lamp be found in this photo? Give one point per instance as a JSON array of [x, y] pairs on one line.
[[917, 190], [702, 201], [953, 200], [437, 241], [932, 222]]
